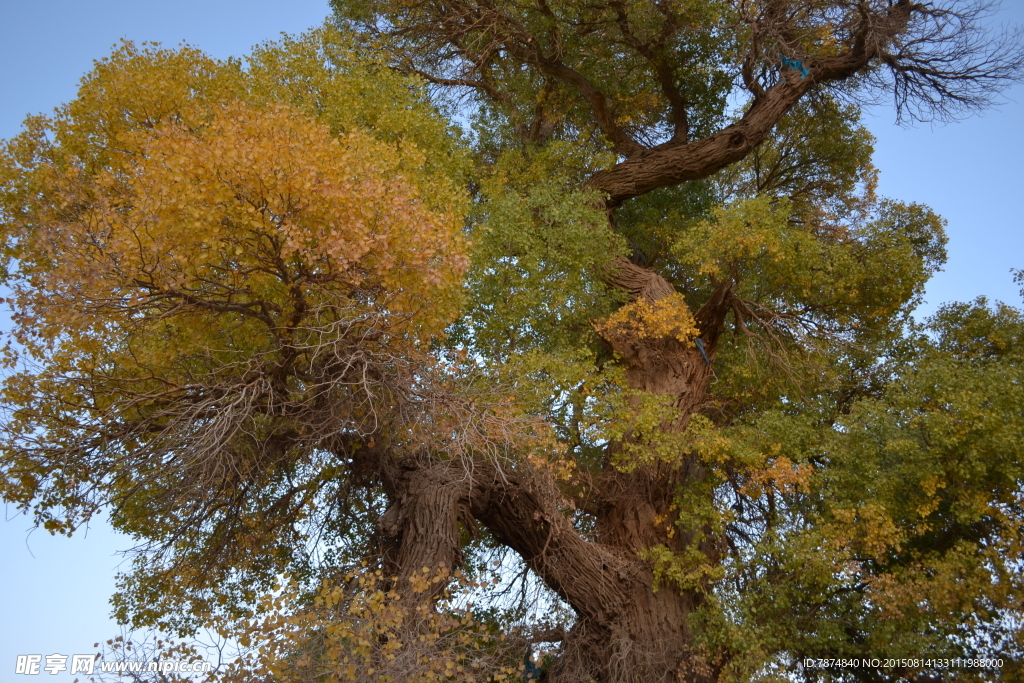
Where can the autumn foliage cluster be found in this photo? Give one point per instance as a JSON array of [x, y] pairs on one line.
[[186, 250]]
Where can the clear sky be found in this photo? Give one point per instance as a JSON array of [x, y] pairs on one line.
[[54, 592]]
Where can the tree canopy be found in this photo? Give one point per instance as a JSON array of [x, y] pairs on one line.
[[460, 331]]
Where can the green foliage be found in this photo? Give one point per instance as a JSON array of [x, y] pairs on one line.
[[818, 157], [865, 275], [538, 249], [699, 60], [897, 528]]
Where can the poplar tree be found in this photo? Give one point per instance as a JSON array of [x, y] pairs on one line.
[[642, 339]]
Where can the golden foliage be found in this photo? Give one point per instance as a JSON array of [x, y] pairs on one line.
[[265, 196], [360, 629], [206, 277], [669, 316]]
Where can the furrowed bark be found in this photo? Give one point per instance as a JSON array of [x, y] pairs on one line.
[[420, 529], [625, 630], [676, 161]]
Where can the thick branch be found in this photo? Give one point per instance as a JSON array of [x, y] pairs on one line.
[[593, 578], [429, 501], [670, 164], [604, 116], [673, 163]]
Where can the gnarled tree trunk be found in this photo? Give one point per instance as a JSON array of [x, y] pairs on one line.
[[626, 629]]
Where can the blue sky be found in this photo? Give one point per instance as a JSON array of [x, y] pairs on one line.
[[54, 592]]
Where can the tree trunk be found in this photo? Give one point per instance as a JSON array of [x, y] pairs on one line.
[[650, 639], [626, 630], [420, 528]]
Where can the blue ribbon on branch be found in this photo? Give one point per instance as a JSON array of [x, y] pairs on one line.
[[796, 65], [700, 347]]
